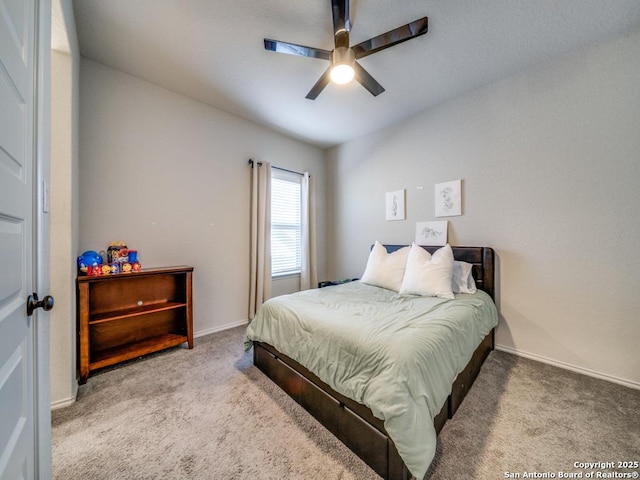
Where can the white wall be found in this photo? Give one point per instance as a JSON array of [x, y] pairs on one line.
[[550, 162], [169, 176], [65, 74]]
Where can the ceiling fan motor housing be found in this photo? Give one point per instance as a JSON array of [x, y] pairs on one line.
[[343, 56]]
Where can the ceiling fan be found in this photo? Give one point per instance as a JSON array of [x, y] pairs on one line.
[[344, 66]]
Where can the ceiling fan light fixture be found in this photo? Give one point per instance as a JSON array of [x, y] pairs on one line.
[[342, 74], [342, 60]]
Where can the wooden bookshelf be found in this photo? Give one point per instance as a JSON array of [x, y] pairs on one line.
[[128, 315]]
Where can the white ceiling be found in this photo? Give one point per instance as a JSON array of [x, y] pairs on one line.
[[212, 51]]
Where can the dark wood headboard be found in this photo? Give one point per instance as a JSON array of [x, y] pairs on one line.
[[482, 259]]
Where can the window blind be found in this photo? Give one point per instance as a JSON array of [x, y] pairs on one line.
[[286, 229]]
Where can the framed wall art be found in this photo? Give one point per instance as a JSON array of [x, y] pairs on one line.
[[449, 199], [432, 233], [395, 205]]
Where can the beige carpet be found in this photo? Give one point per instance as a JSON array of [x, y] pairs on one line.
[[207, 413]]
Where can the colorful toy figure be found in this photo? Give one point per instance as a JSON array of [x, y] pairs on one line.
[[126, 268], [115, 268], [88, 259], [136, 267], [118, 252], [106, 269]]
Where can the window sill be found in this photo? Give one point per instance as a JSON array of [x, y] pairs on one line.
[[282, 276]]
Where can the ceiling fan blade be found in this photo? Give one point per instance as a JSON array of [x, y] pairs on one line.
[[322, 82], [392, 37], [367, 81], [293, 49], [341, 24]]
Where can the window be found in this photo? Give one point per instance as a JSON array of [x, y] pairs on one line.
[[286, 229]]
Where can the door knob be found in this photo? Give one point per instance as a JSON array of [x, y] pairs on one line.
[[32, 303]]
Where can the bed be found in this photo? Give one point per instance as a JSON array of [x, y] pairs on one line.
[[353, 406]]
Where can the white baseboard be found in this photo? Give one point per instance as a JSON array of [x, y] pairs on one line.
[[66, 402], [568, 366], [209, 331]]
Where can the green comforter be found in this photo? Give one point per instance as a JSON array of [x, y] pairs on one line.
[[398, 355]]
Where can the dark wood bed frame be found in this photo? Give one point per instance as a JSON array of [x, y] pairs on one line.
[[352, 422]]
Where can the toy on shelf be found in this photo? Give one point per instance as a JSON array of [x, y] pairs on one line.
[[117, 259], [88, 259], [123, 259], [118, 252]]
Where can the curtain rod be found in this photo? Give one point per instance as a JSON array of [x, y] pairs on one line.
[[251, 162]]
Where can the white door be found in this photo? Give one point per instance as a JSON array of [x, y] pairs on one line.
[[18, 149]]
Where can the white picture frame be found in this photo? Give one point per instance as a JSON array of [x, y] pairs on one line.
[[448, 198], [432, 233], [395, 205]]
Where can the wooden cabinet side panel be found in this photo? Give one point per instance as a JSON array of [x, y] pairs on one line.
[[83, 331], [189, 299]]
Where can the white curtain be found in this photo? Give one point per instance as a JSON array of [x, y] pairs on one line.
[[260, 288], [308, 274]]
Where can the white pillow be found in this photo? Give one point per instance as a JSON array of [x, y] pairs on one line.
[[384, 269], [463, 281], [427, 275]]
